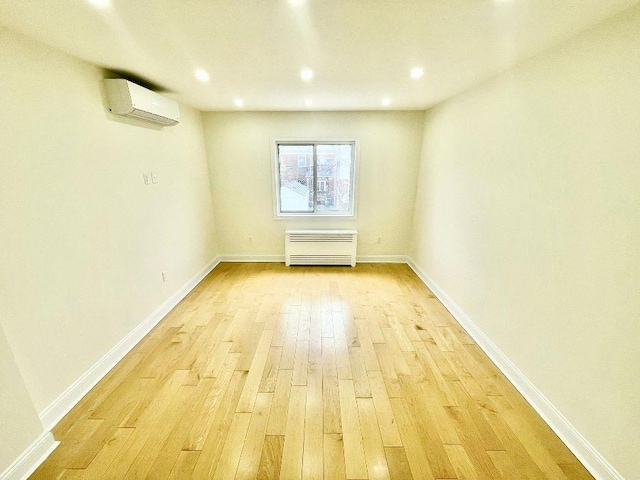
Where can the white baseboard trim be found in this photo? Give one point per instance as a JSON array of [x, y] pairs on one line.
[[52, 414], [281, 259], [31, 458], [381, 259], [581, 448], [253, 258]]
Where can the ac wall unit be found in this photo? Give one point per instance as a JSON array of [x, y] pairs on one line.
[[320, 247], [127, 98]]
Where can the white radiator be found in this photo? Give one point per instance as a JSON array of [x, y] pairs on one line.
[[320, 247]]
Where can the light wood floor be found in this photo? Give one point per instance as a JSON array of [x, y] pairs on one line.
[[265, 371]]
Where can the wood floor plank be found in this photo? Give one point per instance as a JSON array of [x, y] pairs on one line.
[[252, 448], [440, 371], [354, 457], [330, 389], [428, 432], [170, 450], [461, 462], [271, 457], [119, 383], [387, 423], [535, 448], [167, 395], [400, 335], [389, 375], [341, 346], [396, 352], [228, 463], [201, 427], [398, 463], [472, 442], [161, 433], [503, 461], [294, 434], [312, 460], [270, 373], [359, 372], [266, 371], [474, 409], [280, 407], [216, 361], [287, 359], [184, 465], [515, 458], [366, 345], [372, 440], [280, 330], [219, 428], [301, 362], [375, 320], [416, 456], [334, 467], [107, 453], [327, 323], [251, 386], [71, 473], [78, 434]]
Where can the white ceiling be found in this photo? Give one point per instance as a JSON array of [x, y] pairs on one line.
[[360, 50]]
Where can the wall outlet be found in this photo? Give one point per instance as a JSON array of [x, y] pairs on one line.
[[250, 238], [146, 178], [378, 239]]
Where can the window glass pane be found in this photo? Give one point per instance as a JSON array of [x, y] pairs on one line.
[[296, 178], [334, 178]]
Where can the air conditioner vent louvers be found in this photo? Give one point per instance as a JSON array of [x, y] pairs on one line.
[[128, 99], [153, 117], [320, 247], [321, 238], [320, 260]]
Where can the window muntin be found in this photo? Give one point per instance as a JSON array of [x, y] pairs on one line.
[[323, 186]]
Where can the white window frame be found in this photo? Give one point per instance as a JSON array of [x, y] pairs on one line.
[[275, 170]]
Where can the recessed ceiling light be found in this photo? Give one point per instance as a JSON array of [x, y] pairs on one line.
[[308, 102], [306, 74], [296, 3], [386, 102], [100, 3], [417, 72], [201, 75], [238, 102]]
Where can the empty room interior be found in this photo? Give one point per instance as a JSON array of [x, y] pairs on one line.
[[339, 239]]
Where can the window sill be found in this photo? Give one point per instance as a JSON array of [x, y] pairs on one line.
[[315, 216]]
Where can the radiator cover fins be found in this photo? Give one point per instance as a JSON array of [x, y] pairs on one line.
[[320, 247]]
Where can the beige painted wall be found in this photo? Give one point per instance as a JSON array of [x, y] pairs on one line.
[[19, 422], [528, 216], [83, 240], [239, 153]]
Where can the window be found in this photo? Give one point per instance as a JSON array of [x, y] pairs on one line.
[[315, 178]]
